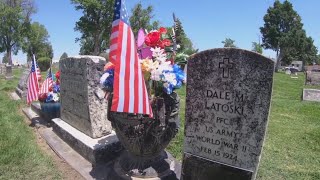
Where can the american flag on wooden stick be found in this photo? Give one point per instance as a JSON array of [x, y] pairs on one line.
[[47, 84], [130, 93], [33, 86], [37, 68]]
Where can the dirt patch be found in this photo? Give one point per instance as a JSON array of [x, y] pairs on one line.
[[67, 172]]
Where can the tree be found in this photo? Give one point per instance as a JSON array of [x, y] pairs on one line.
[[14, 20], [229, 43], [256, 47], [281, 25], [4, 59], [141, 18], [36, 42], [63, 56], [186, 45], [95, 24]]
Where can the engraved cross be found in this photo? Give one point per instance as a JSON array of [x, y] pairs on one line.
[[226, 66]]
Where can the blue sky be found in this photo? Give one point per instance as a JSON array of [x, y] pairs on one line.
[[206, 22]]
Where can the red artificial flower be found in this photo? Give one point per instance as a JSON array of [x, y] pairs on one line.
[[152, 39], [166, 42], [58, 75], [163, 30], [50, 89], [42, 97]]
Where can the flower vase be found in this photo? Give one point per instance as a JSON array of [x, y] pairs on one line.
[[144, 139], [50, 110]]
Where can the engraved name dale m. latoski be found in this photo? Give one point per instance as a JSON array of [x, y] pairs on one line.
[[232, 101]]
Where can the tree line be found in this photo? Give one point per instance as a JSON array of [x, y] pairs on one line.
[[283, 33], [95, 26], [17, 32]]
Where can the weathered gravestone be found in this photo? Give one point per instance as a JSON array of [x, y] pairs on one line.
[[84, 123], [311, 95], [9, 75], [2, 69], [227, 108], [82, 101], [22, 87], [312, 78]]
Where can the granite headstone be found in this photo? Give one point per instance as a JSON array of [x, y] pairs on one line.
[[9, 74], [2, 69], [311, 95], [312, 78], [83, 105], [227, 108], [22, 87]]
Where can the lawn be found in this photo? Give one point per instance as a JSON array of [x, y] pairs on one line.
[[292, 146], [20, 156]]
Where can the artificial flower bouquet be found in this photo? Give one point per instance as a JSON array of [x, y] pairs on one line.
[[53, 95], [157, 53]]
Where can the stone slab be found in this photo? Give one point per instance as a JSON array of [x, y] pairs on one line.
[[15, 96], [103, 149], [227, 107], [311, 95]]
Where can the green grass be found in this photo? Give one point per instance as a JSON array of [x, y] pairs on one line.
[[20, 156], [292, 146]]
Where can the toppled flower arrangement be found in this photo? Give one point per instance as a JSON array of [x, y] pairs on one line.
[[54, 91], [157, 53]]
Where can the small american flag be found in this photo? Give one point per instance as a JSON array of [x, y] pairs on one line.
[[37, 68], [130, 93], [33, 86], [47, 83]]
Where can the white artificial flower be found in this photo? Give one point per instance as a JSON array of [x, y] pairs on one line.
[[104, 77], [55, 97], [159, 54], [170, 78], [156, 75], [178, 46]]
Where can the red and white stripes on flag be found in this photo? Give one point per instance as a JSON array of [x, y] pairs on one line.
[[129, 93], [47, 83], [33, 86], [37, 68]]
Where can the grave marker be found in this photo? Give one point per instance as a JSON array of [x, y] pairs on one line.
[[227, 107]]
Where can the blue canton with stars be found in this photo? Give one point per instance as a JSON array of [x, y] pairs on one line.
[[33, 69], [120, 12]]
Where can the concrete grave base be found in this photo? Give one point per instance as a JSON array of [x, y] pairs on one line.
[[9, 77], [311, 95], [22, 94], [15, 96], [79, 163], [103, 149], [73, 158]]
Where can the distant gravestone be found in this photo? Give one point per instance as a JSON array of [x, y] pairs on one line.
[[2, 69], [22, 87], [312, 78], [82, 101], [311, 95], [227, 108]]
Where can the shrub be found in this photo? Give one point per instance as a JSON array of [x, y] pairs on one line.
[[44, 63]]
